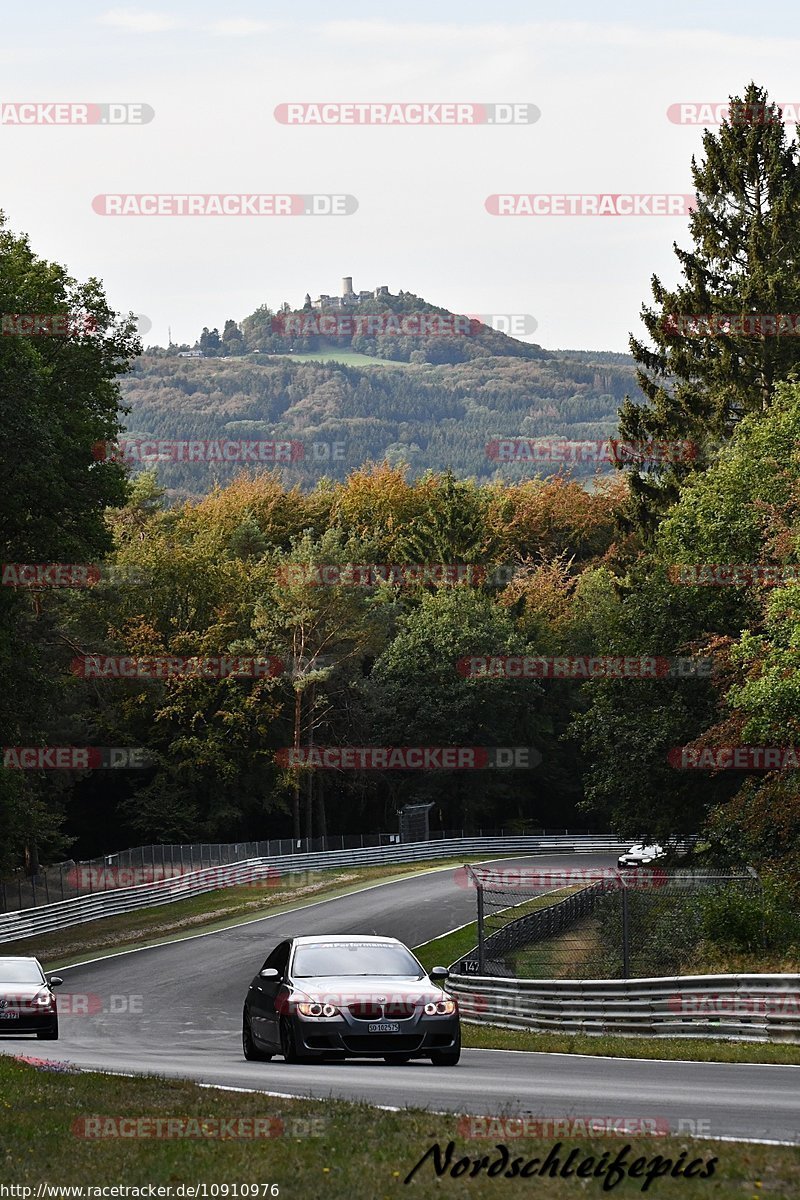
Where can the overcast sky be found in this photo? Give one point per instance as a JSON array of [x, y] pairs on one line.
[[602, 76]]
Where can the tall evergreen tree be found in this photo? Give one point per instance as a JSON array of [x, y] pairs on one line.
[[701, 376]]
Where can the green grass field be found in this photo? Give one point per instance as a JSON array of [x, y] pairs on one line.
[[350, 358], [310, 1148]]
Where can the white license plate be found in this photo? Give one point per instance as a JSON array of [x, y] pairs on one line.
[[384, 1027], [9, 1016]]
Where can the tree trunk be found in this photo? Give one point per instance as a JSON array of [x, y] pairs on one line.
[[322, 824], [298, 701], [311, 772], [31, 859]]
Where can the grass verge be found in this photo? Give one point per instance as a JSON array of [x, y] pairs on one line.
[[493, 1037], [354, 1153]]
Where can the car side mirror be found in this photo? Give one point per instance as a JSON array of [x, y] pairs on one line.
[[439, 973], [55, 981], [269, 973]]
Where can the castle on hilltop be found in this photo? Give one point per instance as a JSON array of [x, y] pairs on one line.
[[348, 296]]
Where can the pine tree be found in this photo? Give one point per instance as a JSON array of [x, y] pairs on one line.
[[703, 376]]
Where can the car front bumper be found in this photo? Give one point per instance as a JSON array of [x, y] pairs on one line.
[[417, 1037], [27, 1023]]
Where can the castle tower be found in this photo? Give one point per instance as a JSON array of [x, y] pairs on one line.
[[347, 285]]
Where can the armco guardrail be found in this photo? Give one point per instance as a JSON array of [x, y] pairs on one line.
[[757, 1008], [49, 917]]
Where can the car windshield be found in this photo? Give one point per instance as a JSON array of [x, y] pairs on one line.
[[354, 958], [19, 970]]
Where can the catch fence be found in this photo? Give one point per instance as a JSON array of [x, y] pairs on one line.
[[590, 923]]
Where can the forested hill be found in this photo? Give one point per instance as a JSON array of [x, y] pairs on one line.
[[347, 402]]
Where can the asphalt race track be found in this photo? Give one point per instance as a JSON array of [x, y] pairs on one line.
[[175, 1010]]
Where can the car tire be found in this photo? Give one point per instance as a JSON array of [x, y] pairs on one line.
[[288, 1045], [447, 1058], [249, 1048], [48, 1035], [396, 1060]]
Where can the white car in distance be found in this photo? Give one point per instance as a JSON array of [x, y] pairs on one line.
[[640, 855]]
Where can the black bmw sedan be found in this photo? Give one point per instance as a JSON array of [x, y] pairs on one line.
[[27, 1003], [349, 996]]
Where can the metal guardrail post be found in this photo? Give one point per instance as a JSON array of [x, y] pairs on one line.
[[481, 940], [626, 948]]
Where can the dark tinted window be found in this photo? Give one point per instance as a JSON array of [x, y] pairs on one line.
[[279, 958]]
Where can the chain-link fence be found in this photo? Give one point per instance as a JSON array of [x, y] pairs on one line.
[[607, 923], [148, 864]]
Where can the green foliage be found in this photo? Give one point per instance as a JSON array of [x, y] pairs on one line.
[[743, 260], [435, 416], [59, 399]]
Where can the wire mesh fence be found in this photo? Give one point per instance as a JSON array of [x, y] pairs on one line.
[[148, 864], [607, 923]]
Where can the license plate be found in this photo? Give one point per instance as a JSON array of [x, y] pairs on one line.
[[384, 1027], [9, 1016]]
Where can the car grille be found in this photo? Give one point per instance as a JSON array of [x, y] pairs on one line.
[[368, 1010], [380, 1043]]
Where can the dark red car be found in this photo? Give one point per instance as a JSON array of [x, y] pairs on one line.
[[27, 1003]]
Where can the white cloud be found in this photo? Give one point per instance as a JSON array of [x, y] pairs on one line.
[[555, 33], [137, 20], [242, 27]]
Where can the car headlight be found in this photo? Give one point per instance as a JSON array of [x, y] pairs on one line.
[[440, 1008], [43, 1000], [315, 1009]]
